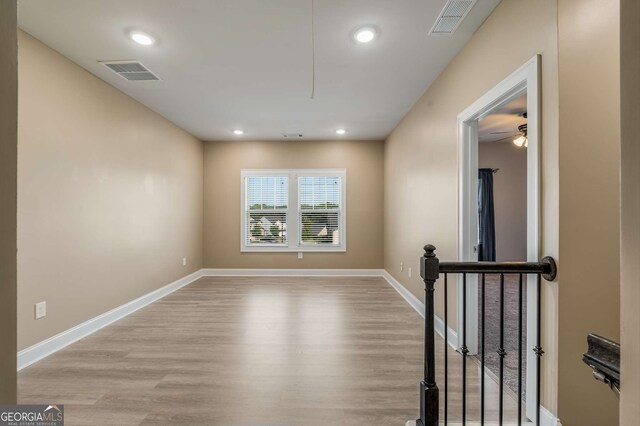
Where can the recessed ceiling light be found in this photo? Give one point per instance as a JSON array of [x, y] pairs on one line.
[[142, 38], [365, 34], [341, 131], [238, 132]]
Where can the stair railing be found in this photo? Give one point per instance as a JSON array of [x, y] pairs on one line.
[[430, 270]]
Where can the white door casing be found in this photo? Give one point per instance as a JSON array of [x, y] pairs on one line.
[[525, 79]]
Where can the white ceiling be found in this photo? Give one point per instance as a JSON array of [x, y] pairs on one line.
[[227, 64], [503, 124]]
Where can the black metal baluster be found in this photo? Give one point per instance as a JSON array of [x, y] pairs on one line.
[[463, 349], [482, 351], [446, 348], [520, 351], [429, 394], [501, 352], [538, 349], [430, 269]]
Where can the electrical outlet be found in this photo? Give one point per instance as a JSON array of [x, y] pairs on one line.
[[184, 261], [409, 272], [300, 255], [41, 310], [401, 266]]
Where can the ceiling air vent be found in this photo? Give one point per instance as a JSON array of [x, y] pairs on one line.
[[451, 16], [292, 135], [130, 70]]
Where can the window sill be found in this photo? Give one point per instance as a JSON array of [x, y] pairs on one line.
[[292, 250]]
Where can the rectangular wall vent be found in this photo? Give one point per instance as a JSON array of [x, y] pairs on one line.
[[292, 135], [452, 16], [130, 70]]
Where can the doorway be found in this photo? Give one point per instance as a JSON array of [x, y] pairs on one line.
[[522, 85], [502, 221]]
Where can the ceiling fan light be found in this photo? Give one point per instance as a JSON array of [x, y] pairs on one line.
[[520, 141]]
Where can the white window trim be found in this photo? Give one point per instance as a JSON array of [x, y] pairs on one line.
[[293, 217]]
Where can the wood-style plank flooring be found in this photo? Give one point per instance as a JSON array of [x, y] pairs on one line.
[[254, 351]]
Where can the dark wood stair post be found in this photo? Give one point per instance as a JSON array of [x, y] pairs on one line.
[[429, 394]]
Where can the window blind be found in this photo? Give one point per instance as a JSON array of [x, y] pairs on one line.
[[320, 210], [266, 210]]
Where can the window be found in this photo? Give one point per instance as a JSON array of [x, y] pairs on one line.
[[293, 210], [319, 210], [266, 210]]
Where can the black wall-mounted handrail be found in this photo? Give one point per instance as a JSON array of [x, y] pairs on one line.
[[546, 267], [430, 270], [603, 356]]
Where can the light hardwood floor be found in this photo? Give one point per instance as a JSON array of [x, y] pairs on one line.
[[253, 351]]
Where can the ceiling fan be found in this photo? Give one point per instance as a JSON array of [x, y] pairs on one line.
[[519, 137]]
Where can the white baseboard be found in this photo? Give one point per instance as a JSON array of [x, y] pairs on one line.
[[53, 344], [547, 418], [413, 301], [452, 335], [215, 272]]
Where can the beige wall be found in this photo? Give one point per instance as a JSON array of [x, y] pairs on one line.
[[630, 226], [509, 197], [589, 299], [364, 163], [421, 155], [109, 196], [8, 171]]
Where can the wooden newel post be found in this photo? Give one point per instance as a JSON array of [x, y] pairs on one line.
[[429, 394]]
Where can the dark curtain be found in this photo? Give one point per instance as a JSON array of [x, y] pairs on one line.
[[486, 217]]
